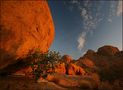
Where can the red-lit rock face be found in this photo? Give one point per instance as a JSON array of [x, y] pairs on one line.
[[75, 70], [67, 58], [60, 68], [85, 62], [25, 25], [107, 50]]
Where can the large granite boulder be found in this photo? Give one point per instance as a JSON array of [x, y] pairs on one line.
[[24, 26], [67, 59], [73, 69], [107, 50]]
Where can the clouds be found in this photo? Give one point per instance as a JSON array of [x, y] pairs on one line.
[[83, 12], [115, 9], [81, 41], [74, 2], [90, 21], [93, 13], [119, 8]]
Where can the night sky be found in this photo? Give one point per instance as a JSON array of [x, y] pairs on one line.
[[86, 24]]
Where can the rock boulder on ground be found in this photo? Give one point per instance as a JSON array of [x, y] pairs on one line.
[[107, 50], [25, 26], [60, 68], [73, 69], [67, 59], [85, 62]]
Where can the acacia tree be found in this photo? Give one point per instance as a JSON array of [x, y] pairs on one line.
[[43, 62]]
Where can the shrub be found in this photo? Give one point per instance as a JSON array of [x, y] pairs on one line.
[[42, 62]]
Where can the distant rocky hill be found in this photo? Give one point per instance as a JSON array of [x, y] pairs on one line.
[[107, 61]]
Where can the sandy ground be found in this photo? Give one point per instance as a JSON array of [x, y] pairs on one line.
[[24, 83]]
